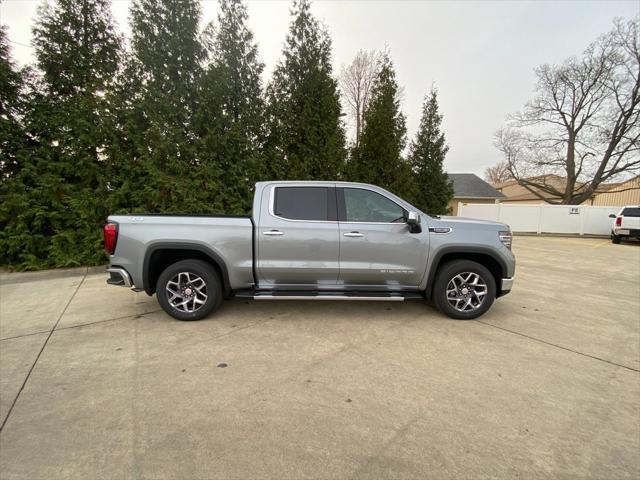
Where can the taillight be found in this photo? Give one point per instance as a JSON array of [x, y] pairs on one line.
[[506, 238], [110, 233], [618, 221]]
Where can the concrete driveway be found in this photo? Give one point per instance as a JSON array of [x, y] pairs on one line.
[[97, 382]]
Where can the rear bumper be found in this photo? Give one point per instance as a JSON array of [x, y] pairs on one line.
[[119, 276], [626, 232]]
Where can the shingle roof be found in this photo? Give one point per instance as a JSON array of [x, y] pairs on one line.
[[469, 185]]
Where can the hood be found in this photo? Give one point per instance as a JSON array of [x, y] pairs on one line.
[[452, 221]]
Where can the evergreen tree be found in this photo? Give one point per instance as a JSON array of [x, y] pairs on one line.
[[231, 109], [428, 150], [58, 193], [166, 46], [13, 143], [155, 163], [306, 137], [11, 131], [378, 157]]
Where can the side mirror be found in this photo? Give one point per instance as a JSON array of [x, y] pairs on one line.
[[413, 220], [612, 215]]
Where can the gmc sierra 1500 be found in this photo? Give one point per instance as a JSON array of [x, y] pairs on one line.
[[312, 241]]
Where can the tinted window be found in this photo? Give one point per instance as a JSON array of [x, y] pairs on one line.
[[367, 206], [302, 203], [631, 212]]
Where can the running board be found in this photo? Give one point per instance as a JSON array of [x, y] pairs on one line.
[[326, 297], [314, 295]]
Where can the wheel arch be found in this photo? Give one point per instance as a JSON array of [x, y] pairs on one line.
[[160, 255], [483, 256]]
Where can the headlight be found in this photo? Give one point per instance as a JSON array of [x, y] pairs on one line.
[[506, 238]]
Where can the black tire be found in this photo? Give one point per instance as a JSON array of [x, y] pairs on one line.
[[447, 272], [212, 289], [615, 238]]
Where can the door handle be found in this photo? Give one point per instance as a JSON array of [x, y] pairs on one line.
[[353, 234], [273, 232]]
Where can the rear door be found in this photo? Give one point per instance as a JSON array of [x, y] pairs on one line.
[[297, 236], [376, 245]]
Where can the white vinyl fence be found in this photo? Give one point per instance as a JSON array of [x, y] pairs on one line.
[[580, 220]]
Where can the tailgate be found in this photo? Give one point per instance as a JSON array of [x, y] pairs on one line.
[[631, 218]]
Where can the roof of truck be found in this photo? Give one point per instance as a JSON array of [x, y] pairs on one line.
[[321, 182]]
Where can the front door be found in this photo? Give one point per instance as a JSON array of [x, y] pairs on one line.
[[297, 237], [376, 245]]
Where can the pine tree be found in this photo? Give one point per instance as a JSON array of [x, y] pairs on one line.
[[231, 109], [428, 150], [155, 165], [59, 190], [11, 131], [13, 143], [77, 51], [378, 157], [166, 45], [306, 136], [34, 207]]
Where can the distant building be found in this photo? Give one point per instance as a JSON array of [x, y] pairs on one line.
[[469, 188], [610, 194], [517, 194], [618, 194]]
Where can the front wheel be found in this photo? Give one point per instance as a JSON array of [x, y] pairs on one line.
[[464, 289], [189, 290]]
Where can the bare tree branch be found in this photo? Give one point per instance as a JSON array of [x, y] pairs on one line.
[[499, 173], [583, 124], [356, 80]]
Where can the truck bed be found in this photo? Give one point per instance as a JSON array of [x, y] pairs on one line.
[[225, 236]]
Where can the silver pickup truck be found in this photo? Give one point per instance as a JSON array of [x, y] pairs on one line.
[[312, 241]]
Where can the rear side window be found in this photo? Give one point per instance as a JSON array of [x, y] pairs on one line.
[[631, 212], [305, 203]]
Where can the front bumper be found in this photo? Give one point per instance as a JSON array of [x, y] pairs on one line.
[[506, 285]]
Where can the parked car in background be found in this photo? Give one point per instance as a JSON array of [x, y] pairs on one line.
[[626, 223], [312, 241]]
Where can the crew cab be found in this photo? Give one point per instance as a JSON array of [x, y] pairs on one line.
[[312, 241], [626, 223]]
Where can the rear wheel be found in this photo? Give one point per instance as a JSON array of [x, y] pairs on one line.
[[189, 290], [464, 289], [615, 238]]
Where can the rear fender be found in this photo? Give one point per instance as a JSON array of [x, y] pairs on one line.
[[210, 255]]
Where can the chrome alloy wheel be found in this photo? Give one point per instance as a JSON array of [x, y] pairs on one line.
[[466, 291], [186, 291]]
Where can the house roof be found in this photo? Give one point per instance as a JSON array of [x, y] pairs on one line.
[[628, 183], [550, 179], [514, 191], [469, 185]]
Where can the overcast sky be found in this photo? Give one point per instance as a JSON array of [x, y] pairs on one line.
[[480, 55]]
